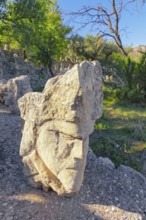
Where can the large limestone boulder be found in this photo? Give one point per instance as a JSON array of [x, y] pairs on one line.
[[14, 89], [57, 125]]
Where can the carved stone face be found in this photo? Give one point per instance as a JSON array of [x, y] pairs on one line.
[[64, 155], [58, 122]]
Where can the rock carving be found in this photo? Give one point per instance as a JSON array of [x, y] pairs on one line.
[[57, 125]]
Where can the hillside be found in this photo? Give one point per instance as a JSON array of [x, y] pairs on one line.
[[137, 52]]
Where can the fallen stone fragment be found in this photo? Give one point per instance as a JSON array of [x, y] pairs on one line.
[[14, 89], [57, 125]]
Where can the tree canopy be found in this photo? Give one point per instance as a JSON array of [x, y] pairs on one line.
[[37, 27], [89, 48]]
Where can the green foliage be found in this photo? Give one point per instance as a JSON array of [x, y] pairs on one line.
[[37, 27], [89, 48], [117, 153], [39, 89], [130, 95], [121, 134], [124, 68], [140, 75], [75, 49], [93, 47], [129, 78]]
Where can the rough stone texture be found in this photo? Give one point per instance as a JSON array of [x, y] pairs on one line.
[[106, 194], [144, 163], [57, 126], [1, 73], [14, 66], [14, 89], [2, 89]]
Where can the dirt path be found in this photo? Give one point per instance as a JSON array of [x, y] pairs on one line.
[[106, 194]]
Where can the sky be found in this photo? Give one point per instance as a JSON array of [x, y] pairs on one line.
[[133, 20]]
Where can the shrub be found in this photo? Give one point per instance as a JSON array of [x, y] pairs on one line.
[[129, 78]]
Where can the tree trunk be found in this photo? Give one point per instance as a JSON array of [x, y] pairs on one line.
[[24, 54], [123, 51], [50, 69]]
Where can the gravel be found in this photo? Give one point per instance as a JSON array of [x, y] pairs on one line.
[[106, 194]]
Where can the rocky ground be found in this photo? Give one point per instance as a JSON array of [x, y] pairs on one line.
[[106, 194]]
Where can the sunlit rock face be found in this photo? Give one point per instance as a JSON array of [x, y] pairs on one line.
[[57, 125], [12, 90]]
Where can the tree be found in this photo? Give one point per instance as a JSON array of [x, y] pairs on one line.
[[3, 11], [37, 27], [2, 7], [94, 46], [89, 48], [106, 20], [75, 49]]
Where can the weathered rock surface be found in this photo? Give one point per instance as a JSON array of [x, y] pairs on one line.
[[14, 66], [2, 89], [58, 122], [14, 89]]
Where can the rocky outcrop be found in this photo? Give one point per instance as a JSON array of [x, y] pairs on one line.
[[140, 48], [12, 90], [58, 122], [12, 66]]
